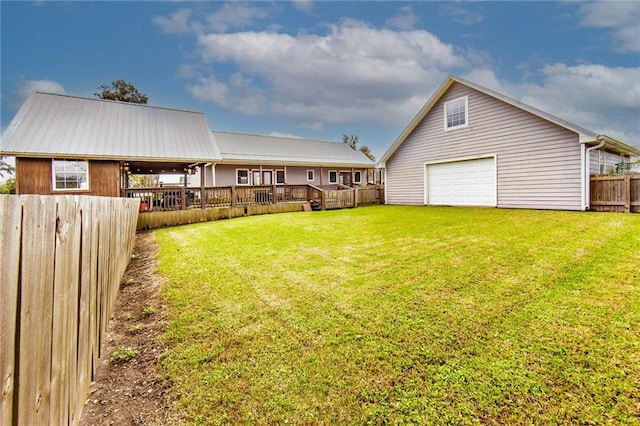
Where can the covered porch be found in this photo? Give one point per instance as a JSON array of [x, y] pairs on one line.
[[161, 197]]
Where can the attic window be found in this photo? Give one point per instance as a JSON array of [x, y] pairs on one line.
[[456, 113], [70, 175]]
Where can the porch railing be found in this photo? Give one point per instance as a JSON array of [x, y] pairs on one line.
[[181, 198]]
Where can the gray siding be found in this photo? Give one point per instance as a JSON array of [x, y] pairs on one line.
[[538, 162], [294, 175]]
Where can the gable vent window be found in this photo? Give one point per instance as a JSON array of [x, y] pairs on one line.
[[456, 113]]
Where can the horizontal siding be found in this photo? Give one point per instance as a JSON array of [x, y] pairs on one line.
[[226, 174], [538, 162]]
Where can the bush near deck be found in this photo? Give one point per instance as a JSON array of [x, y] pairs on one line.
[[391, 314]]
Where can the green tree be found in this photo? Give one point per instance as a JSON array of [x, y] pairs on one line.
[[352, 141], [123, 91], [143, 181], [8, 187]]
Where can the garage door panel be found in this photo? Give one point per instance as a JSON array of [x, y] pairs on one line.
[[462, 183]]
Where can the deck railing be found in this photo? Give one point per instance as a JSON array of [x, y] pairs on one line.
[[334, 196], [181, 198]]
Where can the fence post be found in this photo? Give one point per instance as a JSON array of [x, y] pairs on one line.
[[627, 194]]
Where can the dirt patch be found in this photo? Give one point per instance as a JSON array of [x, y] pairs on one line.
[[134, 392]]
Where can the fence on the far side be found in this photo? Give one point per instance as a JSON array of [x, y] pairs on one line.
[[619, 193], [61, 262]]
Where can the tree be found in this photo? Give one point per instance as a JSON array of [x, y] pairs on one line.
[[143, 181], [352, 141], [5, 167], [367, 151], [123, 91], [8, 187]]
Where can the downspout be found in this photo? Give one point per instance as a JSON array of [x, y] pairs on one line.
[[587, 176]]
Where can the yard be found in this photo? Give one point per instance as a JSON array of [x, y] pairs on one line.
[[392, 314]]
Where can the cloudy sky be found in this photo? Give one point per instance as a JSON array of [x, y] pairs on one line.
[[318, 69]]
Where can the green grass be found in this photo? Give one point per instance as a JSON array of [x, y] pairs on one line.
[[393, 314]]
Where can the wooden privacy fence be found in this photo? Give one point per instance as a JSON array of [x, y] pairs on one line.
[[615, 193], [62, 258]]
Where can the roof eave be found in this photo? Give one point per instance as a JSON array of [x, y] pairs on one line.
[[45, 155], [614, 144], [256, 162]]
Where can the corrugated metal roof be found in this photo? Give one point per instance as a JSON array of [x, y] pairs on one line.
[[53, 125], [238, 148]]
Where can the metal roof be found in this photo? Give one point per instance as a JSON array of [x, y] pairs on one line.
[[53, 125], [244, 148], [584, 135]]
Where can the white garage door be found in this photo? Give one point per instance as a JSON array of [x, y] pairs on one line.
[[462, 183]]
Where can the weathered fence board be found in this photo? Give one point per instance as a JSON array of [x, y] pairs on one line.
[[615, 193], [62, 260], [36, 310], [10, 223]]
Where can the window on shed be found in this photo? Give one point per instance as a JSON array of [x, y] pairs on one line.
[[242, 177], [357, 177], [333, 176], [70, 175], [311, 175], [456, 113]]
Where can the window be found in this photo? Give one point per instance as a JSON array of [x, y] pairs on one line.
[[242, 176], [255, 177], [266, 177], [456, 114], [311, 176], [333, 176], [357, 177], [279, 177], [70, 174]]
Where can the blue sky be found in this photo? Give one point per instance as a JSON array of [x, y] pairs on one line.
[[318, 69]]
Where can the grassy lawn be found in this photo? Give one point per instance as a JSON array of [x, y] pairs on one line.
[[392, 314]]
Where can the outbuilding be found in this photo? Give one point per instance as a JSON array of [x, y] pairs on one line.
[[472, 146]]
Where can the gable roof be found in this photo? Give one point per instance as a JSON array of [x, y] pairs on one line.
[[584, 135], [239, 148], [52, 125]]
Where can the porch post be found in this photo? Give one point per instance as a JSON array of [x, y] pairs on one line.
[[203, 201]]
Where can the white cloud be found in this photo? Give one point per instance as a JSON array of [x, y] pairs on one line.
[[602, 99], [234, 15], [622, 17], [27, 87], [404, 19], [352, 73], [178, 23], [355, 73], [303, 5], [462, 15], [230, 15]]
